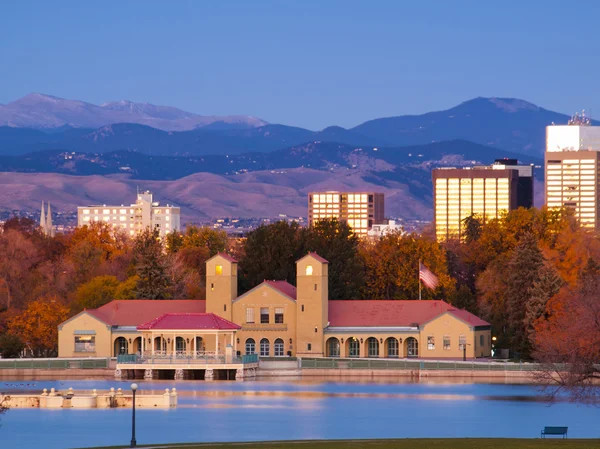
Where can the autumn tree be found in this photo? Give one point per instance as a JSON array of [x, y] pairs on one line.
[[392, 267], [18, 256], [96, 292], [37, 325], [566, 340], [151, 266]]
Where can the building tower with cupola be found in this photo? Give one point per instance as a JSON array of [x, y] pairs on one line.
[[221, 285], [312, 293]]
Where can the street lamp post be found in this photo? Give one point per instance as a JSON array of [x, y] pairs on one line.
[[134, 387]]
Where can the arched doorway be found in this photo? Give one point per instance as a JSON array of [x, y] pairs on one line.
[[137, 345], [333, 347], [250, 346], [121, 346], [265, 348], [353, 347], [200, 346], [391, 348], [412, 347], [278, 348], [180, 345], [160, 344], [372, 347]]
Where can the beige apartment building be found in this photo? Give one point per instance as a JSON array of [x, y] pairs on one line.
[[145, 213], [361, 210], [484, 191], [572, 169], [275, 319]]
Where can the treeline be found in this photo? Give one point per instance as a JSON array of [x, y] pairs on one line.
[[517, 272]]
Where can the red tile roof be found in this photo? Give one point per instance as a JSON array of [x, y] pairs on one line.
[[135, 312], [390, 313], [227, 257], [181, 321], [315, 256], [284, 287]]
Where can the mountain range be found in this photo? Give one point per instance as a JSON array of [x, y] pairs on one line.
[[510, 124], [244, 167], [48, 112]]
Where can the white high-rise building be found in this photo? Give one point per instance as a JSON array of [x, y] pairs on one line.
[[145, 213], [572, 168]]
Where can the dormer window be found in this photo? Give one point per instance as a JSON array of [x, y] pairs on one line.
[[218, 270], [309, 270]]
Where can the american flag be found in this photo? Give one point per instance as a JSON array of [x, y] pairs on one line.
[[429, 279]]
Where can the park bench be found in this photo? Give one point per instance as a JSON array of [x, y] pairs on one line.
[[555, 431]]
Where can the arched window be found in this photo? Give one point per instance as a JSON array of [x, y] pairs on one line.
[[412, 347], [333, 347], [373, 347], [160, 344], [392, 347], [179, 344], [121, 346], [353, 347], [264, 348], [250, 346], [278, 347], [200, 344]]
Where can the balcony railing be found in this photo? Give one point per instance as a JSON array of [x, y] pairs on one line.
[[199, 358]]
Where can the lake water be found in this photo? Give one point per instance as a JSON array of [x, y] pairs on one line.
[[267, 410]]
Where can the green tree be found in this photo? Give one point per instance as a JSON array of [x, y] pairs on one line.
[[335, 241], [96, 292], [464, 298], [127, 289], [471, 228], [523, 272], [151, 266], [10, 346], [548, 284], [270, 252]]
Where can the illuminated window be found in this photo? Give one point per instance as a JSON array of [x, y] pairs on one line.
[[249, 315], [309, 270], [218, 270], [430, 343]]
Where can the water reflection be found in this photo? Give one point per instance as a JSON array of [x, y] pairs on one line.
[[317, 408]]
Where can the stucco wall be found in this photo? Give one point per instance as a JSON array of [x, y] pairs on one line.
[[84, 321], [266, 296]]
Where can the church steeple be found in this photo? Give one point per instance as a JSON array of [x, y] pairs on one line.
[[43, 219]]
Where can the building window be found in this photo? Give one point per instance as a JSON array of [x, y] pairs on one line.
[[264, 315], [333, 347], [121, 346], [279, 315], [392, 347], [446, 342], [224, 307], [85, 343], [309, 347], [481, 340], [264, 348], [315, 287], [431, 343], [354, 347], [249, 315], [179, 344], [278, 347], [462, 342], [373, 347], [303, 307], [218, 270], [309, 270], [412, 347], [250, 346]]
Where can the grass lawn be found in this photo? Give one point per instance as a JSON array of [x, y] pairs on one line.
[[448, 443]]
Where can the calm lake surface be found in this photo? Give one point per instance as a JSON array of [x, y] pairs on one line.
[[267, 410]]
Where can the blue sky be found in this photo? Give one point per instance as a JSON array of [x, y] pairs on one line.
[[310, 63]]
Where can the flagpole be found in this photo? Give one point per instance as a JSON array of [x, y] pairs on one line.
[[419, 279]]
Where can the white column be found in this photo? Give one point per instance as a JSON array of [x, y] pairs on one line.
[[142, 345], [217, 343], [152, 343], [194, 345]]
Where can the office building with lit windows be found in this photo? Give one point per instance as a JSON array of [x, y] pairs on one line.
[[484, 191], [145, 213], [572, 169], [361, 210]]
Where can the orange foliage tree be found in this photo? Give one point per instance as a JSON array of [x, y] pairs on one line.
[[37, 325]]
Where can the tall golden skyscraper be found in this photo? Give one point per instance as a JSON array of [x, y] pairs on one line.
[[484, 191], [572, 169]]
